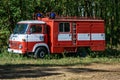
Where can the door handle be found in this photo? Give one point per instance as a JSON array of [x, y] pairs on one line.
[[88, 34]]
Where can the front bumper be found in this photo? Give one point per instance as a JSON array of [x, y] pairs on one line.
[[14, 51]]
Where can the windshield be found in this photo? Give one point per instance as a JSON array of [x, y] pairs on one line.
[[20, 29]]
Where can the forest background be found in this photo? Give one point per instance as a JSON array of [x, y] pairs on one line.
[[12, 11]]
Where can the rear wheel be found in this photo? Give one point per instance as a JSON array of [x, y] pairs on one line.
[[82, 52], [40, 52]]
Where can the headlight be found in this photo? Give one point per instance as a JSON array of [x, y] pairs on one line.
[[20, 46]]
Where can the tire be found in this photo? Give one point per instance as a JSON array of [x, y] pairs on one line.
[[82, 52], [40, 52]]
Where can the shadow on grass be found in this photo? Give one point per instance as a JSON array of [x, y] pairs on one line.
[[84, 70], [17, 71]]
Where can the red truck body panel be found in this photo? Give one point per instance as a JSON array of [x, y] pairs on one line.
[[83, 33]]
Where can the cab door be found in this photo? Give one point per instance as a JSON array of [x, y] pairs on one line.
[[35, 36]]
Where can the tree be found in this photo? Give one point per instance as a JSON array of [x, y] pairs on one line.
[[12, 11]]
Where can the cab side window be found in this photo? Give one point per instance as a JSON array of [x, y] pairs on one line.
[[36, 29], [64, 27]]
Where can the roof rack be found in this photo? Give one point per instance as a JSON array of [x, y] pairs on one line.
[[67, 17], [75, 17]]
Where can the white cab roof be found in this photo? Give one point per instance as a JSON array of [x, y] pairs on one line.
[[32, 22]]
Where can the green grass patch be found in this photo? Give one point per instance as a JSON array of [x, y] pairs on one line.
[[13, 59]]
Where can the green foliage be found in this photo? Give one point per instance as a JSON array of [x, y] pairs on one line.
[[109, 53], [12, 11]]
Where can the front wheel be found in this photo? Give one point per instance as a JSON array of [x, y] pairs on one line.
[[40, 52]]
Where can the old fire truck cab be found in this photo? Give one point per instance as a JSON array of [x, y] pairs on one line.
[[29, 36], [57, 35]]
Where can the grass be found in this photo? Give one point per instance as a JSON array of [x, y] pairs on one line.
[[14, 66], [9, 59]]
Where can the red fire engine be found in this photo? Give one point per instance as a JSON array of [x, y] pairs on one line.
[[58, 35]]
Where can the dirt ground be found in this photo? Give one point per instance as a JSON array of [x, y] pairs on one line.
[[94, 71]]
